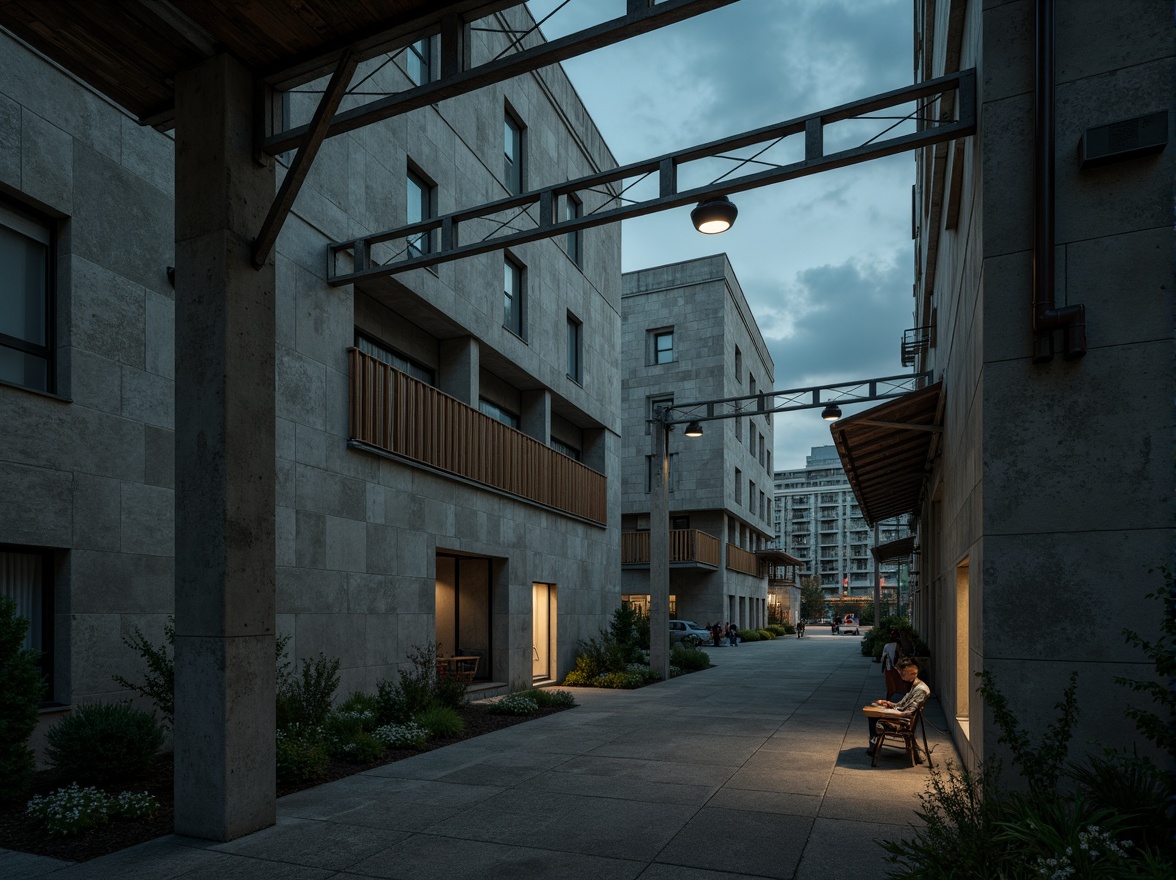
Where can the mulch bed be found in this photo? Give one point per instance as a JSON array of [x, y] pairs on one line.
[[19, 832]]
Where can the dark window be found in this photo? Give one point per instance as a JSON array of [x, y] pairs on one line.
[[571, 212], [26, 300], [26, 577], [679, 522], [420, 208], [395, 359], [512, 147], [492, 409], [575, 350], [663, 347], [512, 296], [569, 451], [418, 61]]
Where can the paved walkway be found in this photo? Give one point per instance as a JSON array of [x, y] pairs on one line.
[[755, 768]]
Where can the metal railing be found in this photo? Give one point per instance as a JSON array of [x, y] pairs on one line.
[[392, 411]]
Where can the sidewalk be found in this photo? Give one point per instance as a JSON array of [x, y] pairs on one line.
[[755, 768]]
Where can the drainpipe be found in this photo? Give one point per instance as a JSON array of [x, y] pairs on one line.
[[1047, 318]]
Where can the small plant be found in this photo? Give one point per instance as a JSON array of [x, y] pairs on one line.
[[417, 688], [689, 659], [104, 742], [306, 699], [361, 702], [750, 635], [1158, 728], [440, 721], [514, 704], [302, 754], [363, 748], [402, 736], [72, 810], [549, 698], [19, 696], [159, 679]]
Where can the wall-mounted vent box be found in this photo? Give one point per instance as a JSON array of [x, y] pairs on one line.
[[1127, 139]]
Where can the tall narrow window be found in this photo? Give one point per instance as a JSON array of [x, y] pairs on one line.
[[418, 61], [575, 350], [26, 305], [26, 577], [738, 365], [395, 359], [738, 486], [571, 212], [420, 208], [501, 413], [512, 296], [662, 347], [513, 148]]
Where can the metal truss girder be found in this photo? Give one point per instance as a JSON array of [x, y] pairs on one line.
[[641, 17], [810, 397], [547, 224]]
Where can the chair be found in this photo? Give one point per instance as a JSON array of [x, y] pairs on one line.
[[902, 732]]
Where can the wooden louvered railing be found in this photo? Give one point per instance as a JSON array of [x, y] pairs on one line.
[[742, 560], [393, 411], [686, 545]]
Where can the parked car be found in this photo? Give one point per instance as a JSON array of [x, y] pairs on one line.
[[688, 633], [849, 625]]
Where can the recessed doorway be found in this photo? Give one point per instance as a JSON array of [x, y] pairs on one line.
[[543, 620]]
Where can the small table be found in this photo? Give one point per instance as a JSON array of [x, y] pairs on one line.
[[461, 667]]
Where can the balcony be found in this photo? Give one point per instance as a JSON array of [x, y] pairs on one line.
[[915, 341], [393, 412], [689, 548], [742, 560]]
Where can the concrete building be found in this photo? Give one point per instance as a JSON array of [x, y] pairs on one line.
[[445, 464], [818, 521], [1041, 467], [688, 335]]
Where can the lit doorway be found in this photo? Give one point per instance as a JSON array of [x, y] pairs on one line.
[[462, 609], [963, 679], [543, 626]]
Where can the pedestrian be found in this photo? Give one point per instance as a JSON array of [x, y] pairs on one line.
[[732, 635], [800, 628], [717, 634], [896, 688]]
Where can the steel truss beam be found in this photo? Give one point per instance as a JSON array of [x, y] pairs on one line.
[[361, 264], [641, 16], [858, 391]]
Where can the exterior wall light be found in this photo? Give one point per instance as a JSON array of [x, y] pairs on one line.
[[715, 215], [831, 413], [694, 429]]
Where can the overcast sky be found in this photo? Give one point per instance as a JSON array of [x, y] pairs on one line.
[[825, 261]]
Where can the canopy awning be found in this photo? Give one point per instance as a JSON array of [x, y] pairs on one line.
[[777, 557], [887, 451], [893, 550]]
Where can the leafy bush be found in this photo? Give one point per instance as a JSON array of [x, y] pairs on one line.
[[363, 748], [402, 736], [1158, 728], [766, 635], [634, 676], [19, 696], [514, 704], [417, 688], [72, 810], [440, 721], [306, 699], [910, 644], [302, 754], [547, 698], [362, 703], [750, 635], [103, 742], [689, 659]]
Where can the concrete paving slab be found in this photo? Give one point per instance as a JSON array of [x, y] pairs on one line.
[[648, 783], [20, 866]]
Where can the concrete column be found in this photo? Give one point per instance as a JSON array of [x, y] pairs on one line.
[[460, 363], [535, 419], [225, 671]]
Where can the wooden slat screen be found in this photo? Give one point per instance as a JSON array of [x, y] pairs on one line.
[[400, 414], [742, 560], [686, 545]]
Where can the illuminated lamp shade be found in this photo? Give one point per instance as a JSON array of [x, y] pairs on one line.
[[714, 215], [831, 413], [694, 429]]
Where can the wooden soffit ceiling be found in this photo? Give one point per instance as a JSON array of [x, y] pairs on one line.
[[894, 550], [131, 50], [887, 450]]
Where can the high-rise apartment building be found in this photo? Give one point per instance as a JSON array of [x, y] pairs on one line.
[[817, 520]]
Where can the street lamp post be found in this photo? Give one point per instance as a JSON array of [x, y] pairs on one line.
[[659, 546]]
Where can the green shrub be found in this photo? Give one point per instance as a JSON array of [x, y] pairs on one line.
[[361, 703], [766, 635], [19, 696], [402, 736], [306, 699], [302, 754], [417, 688], [440, 721], [362, 748], [750, 635], [634, 676], [70, 810], [159, 679], [547, 698], [103, 742], [514, 704], [689, 659]]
